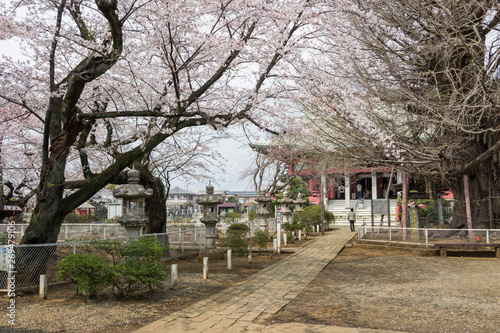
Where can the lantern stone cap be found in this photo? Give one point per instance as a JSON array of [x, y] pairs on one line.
[[262, 198], [132, 221], [209, 198], [263, 212], [299, 199], [285, 199], [132, 189]]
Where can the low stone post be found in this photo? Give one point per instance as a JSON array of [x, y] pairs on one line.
[[205, 268], [43, 286], [249, 254], [284, 239], [174, 276], [300, 234], [229, 261]]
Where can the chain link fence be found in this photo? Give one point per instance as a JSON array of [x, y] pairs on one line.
[[427, 236], [31, 261]]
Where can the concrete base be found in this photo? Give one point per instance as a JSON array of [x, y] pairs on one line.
[[212, 254]]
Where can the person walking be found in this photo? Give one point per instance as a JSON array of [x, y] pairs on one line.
[[351, 217]]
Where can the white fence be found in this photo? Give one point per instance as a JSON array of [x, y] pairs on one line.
[[76, 231], [427, 236]]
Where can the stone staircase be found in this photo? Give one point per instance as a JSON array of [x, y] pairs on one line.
[[338, 209]]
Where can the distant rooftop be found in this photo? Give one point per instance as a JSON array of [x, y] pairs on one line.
[[177, 190], [242, 193]]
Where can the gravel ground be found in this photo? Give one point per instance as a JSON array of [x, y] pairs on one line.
[[397, 290], [65, 312], [366, 288], [75, 314]]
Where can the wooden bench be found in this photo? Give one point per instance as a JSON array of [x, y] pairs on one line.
[[443, 246]]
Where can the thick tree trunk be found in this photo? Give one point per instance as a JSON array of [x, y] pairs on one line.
[[156, 208], [480, 199]]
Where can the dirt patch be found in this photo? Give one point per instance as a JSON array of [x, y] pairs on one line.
[[398, 290], [65, 312]]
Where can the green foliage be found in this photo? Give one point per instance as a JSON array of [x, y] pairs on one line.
[[293, 227], [231, 217], [298, 185], [428, 208], [238, 228], [136, 266], [77, 218], [261, 238], [232, 199], [236, 239], [88, 218], [252, 215], [312, 216], [90, 272], [126, 267], [4, 238], [72, 218]]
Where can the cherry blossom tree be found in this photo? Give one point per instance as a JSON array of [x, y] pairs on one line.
[[414, 84], [105, 82]]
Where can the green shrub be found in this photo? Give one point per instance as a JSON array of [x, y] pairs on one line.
[[90, 273], [4, 238], [88, 218], [236, 239], [252, 215], [231, 217], [239, 228], [72, 218], [137, 266], [261, 238], [312, 216], [127, 267], [292, 228]]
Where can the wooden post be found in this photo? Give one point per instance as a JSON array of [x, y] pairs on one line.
[[323, 185], [387, 198], [174, 276], [490, 205], [404, 213], [467, 208], [205, 268]]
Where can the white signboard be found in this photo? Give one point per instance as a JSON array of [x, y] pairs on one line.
[[380, 206], [13, 208]]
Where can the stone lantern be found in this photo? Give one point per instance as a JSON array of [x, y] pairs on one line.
[[210, 219], [285, 207], [299, 203], [133, 195], [262, 211]]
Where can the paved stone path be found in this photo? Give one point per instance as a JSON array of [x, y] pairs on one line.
[[239, 307]]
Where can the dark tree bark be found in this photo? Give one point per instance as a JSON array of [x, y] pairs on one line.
[[156, 208]]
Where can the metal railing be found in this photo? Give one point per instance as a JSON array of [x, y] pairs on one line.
[[427, 236], [73, 231]]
